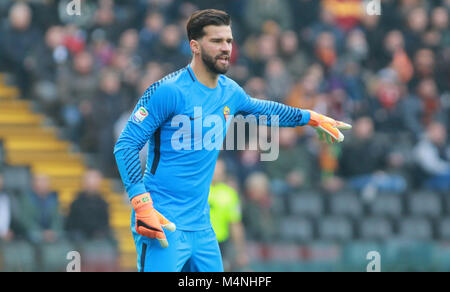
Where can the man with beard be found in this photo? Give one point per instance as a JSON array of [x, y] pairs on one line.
[[178, 178]]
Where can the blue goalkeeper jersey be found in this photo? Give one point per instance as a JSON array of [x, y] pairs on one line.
[[176, 116]]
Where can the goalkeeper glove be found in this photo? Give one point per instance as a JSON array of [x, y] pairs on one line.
[[149, 221], [327, 128]]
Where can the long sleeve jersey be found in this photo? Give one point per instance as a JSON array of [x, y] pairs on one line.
[[176, 116]]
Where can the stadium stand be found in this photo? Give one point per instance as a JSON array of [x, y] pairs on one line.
[[347, 204], [297, 229], [375, 228], [30, 146], [335, 228], [388, 74], [306, 204], [387, 205]]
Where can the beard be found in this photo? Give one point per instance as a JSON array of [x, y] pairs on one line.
[[212, 63]]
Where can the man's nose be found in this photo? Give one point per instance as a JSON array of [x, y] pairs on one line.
[[226, 47]]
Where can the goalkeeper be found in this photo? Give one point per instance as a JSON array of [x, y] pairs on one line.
[[173, 192]]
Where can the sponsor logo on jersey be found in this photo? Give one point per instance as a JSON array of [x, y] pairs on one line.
[[140, 115], [226, 112]]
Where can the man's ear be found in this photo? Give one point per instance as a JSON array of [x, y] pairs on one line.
[[195, 47]]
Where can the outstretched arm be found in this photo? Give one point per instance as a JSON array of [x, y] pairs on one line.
[[327, 128]]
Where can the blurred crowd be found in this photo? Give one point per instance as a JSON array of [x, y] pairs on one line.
[[386, 74], [35, 214]]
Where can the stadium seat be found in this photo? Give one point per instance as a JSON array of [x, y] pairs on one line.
[[445, 205], [424, 204], [8, 92], [306, 204], [279, 205], [346, 204], [296, 229], [375, 228], [17, 178], [98, 255], [415, 228], [54, 256], [24, 144], [24, 119], [18, 256], [335, 228], [387, 205], [443, 229], [354, 255]]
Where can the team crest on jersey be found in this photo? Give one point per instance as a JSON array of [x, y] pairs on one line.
[[140, 115], [226, 112]]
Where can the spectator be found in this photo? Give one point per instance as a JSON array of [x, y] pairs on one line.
[[439, 21], [278, 80], [129, 41], [305, 92], [240, 71], [256, 87], [292, 169], [293, 56], [371, 26], [346, 14], [416, 24], [127, 60], [365, 158], [325, 24], [6, 233], [108, 19], [109, 103], [150, 34], [18, 39], [77, 87], [75, 40], [258, 217], [89, 215], [48, 59], [425, 106], [48, 55], [354, 84], [259, 51], [325, 50], [356, 46], [433, 158], [103, 51], [249, 159], [439, 18], [304, 13], [226, 219], [79, 82], [40, 214], [392, 42], [339, 106], [424, 62], [260, 11], [385, 107], [169, 51]]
